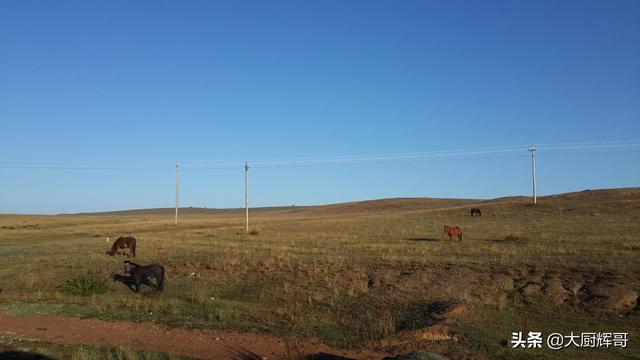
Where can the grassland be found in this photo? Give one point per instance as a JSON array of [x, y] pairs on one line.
[[22, 349], [367, 273]]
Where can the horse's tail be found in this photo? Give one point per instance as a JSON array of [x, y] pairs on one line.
[[161, 279]]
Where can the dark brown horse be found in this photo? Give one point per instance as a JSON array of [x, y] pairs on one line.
[[124, 242], [476, 212], [453, 231], [142, 275]]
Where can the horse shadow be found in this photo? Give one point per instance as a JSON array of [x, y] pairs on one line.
[[130, 282], [422, 239], [508, 241], [22, 355]]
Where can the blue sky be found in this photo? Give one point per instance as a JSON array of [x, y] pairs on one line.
[[147, 83]]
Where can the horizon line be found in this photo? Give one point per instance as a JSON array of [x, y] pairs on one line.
[[314, 205]]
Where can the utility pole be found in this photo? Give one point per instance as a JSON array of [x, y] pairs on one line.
[[246, 197], [177, 189], [532, 150]]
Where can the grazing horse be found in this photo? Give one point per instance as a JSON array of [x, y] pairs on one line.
[[142, 274], [124, 242], [453, 231], [476, 212]]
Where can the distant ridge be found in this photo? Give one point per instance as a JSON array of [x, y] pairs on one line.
[[384, 204]]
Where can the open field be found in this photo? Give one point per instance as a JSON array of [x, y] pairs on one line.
[[377, 274]]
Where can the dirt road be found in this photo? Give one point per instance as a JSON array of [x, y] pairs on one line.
[[148, 336]]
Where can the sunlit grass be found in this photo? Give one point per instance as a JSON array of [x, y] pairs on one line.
[[344, 273]]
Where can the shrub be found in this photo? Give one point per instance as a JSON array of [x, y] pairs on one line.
[[86, 285], [253, 232]]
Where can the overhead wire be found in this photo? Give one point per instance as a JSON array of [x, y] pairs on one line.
[[545, 150]]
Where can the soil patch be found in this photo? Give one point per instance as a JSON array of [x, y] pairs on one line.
[[146, 336]]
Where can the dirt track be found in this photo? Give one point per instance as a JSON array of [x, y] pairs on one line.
[[147, 336]]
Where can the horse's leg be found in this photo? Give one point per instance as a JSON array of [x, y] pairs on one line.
[[130, 284]]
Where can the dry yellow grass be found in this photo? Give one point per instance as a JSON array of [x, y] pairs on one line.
[[349, 273]]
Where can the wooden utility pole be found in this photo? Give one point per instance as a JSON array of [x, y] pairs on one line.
[[532, 149], [177, 189], [246, 197]]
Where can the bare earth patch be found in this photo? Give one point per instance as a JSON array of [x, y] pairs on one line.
[[146, 336]]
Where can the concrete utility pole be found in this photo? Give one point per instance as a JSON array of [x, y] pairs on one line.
[[532, 150], [177, 189], [246, 197]]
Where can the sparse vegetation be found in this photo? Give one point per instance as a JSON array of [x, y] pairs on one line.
[[26, 349], [513, 233], [350, 274], [86, 285]]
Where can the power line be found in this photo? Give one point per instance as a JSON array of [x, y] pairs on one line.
[[48, 167], [603, 142], [86, 163], [416, 157], [358, 156], [586, 147], [366, 158], [586, 153], [544, 149]]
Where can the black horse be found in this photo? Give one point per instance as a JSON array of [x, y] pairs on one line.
[[142, 275], [476, 212]]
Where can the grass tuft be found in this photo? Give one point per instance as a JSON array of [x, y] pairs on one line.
[[86, 285]]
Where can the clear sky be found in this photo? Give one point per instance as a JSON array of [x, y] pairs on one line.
[[145, 83]]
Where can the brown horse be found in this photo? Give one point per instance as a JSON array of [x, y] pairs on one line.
[[453, 231], [124, 242]]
